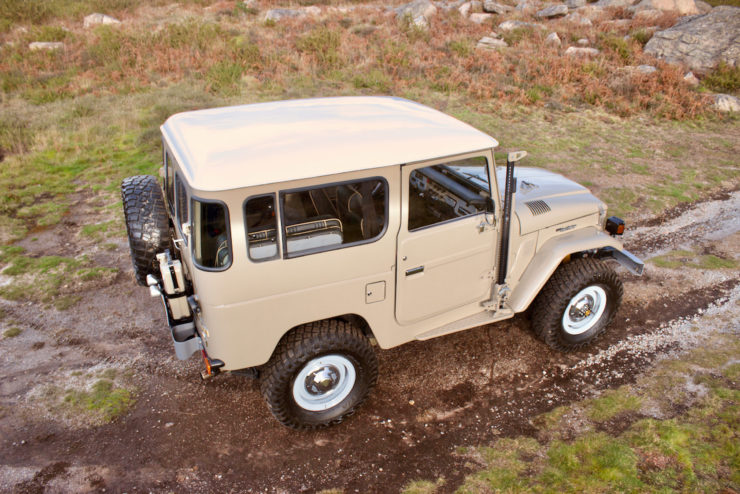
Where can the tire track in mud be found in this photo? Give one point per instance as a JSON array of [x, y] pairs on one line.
[[464, 389]]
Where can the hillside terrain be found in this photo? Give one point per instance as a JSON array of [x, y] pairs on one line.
[[609, 93]]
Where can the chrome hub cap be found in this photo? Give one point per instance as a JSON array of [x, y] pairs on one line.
[[324, 382], [584, 310]]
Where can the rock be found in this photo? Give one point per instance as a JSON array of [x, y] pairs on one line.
[[578, 19], [701, 43], [312, 10], [726, 103], [526, 7], [95, 19], [45, 45], [681, 7], [511, 25], [489, 43], [647, 15], [417, 12], [552, 11], [581, 52], [574, 4], [702, 7], [583, 42], [476, 5], [552, 39], [647, 69], [691, 79], [614, 3], [480, 18], [496, 8], [277, 15], [464, 9]]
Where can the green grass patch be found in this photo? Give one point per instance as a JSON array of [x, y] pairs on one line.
[[684, 258], [423, 486], [12, 332], [48, 279], [612, 403], [323, 44], [104, 399]]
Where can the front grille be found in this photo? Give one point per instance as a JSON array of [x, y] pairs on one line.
[[538, 207]]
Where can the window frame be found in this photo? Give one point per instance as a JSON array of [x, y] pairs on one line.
[[317, 250], [169, 171], [421, 166], [229, 243], [179, 182], [278, 226]]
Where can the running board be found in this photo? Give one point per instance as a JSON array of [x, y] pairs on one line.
[[478, 319]]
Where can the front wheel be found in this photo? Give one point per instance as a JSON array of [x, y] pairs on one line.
[[577, 304], [319, 374]]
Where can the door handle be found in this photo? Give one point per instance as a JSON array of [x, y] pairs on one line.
[[416, 270]]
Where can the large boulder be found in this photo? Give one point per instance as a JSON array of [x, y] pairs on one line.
[[681, 7], [702, 42], [726, 103], [95, 19], [553, 11]]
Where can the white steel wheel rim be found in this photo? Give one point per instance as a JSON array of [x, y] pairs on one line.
[[584, 310], [324, 382]]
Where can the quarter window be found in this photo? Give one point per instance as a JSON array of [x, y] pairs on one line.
[[259, 213], [448, 191], [182, 201], [211, 247], [333, 216], [169, 181]]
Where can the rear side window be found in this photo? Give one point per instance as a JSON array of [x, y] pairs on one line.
[[211, 243], [333, 216], [259, 213]]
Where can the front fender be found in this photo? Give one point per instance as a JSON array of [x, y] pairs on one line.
[[548, 258]]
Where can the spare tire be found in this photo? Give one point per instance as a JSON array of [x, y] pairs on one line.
[[146, 223]]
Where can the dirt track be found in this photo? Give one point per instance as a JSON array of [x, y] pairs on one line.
[[185, 435]]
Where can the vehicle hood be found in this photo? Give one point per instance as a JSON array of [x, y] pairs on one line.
[[544, 199]]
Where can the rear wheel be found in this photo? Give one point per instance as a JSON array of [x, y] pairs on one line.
[[577, 304], [146, 223], [319, 374]]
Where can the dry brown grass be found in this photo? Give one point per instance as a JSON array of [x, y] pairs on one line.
[[367, 48]]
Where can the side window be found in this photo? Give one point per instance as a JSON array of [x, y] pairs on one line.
[[259, 214], [448, 191], [333, 216], [182, 203], [169, 181], [211, 247]]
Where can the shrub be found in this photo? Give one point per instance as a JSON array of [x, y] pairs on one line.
[[724, 79]]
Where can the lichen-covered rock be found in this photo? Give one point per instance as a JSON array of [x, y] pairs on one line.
[[574, 51], [726, 103], [511, 25], [276, 15], [702, 42], [496, 8], [417, 13], [681, 7], [480, 17], [553, 11], [489, 43], [703, 7], [614, 3], [690, 79], [95, 19], [578, 19], [552, 39], [45, 45], [574, 4]]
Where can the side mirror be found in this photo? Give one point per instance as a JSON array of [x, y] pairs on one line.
[[515, 156]]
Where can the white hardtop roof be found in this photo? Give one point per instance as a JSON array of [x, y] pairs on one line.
[[242, 146]]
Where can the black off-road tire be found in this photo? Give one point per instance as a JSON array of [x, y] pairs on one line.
[[301, 346], [554, 300], [146, 223]]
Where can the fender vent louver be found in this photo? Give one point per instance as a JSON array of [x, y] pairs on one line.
[[538, 207]]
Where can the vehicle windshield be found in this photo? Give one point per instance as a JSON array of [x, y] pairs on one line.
[[475, 175]]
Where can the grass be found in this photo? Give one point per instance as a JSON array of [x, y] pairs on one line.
[[12, 332], [687, 259], [723, 79], [103, 399], [695, 450], [49, 279]]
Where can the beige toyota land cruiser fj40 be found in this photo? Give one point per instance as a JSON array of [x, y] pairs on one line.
[[291, 238]]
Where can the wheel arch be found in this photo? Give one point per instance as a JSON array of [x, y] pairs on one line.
[[353, 319], [550, 256]]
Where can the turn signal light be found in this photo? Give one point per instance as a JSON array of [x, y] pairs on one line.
[[615, 226]]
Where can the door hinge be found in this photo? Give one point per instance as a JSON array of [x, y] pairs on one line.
[[499, 295]]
